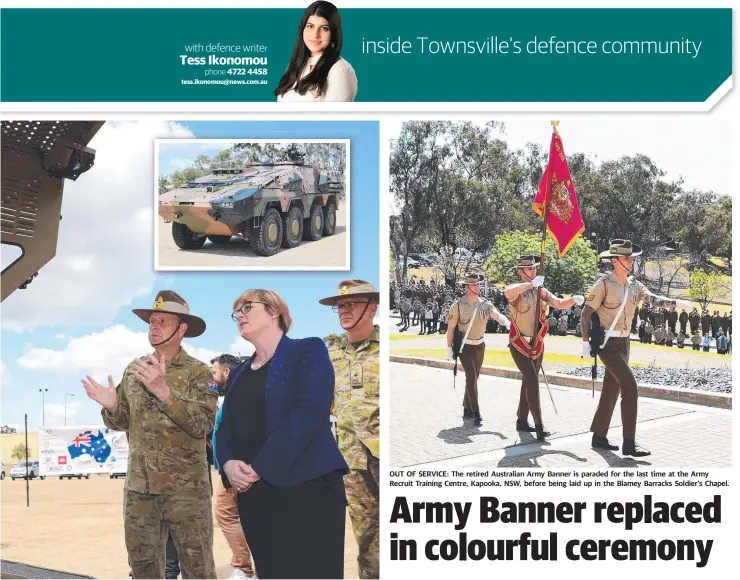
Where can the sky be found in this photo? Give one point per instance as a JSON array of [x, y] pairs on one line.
[[75, 317], [700, 151]]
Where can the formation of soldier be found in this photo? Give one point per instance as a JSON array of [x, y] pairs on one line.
[[427, 305], [665, 325]]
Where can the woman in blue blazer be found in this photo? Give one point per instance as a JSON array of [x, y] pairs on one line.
[[276, 447]]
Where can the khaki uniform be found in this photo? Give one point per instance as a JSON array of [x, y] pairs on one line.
[[605, 297], [167, 484], [523, 310], [471, 357], [357, 408]]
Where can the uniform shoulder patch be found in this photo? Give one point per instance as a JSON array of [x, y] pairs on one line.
[[331, 340], [590, 297], [450, 317]]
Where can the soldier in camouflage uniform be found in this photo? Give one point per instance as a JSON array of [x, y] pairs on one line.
[[165, 404], [355, 355]]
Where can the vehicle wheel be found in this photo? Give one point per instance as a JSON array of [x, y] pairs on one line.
[[13, 478], [266, 238], [292, 227], [87, 476], [79, 477], [186, 238], [2, 475], [313, 227], [220, 239], [42, 477], [330, 219]]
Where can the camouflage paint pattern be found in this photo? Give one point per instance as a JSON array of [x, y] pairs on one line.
[[224, 204], [167, 439], [147, 519], [357, 408]]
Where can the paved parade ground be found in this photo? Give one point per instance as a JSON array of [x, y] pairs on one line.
[[77, 526], [327, 252], [426, 427]]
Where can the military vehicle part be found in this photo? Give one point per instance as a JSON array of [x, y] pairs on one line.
[[186, 238], [37, 156], [330, 219], [220, 239], [265, 239], [250, 202], [292, 227], [313, 227]]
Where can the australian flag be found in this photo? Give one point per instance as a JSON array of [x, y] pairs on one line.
[[88, 444]]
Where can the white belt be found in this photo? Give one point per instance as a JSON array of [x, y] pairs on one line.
[[617, 333]]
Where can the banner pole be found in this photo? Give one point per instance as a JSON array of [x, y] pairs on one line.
[[545, 213]]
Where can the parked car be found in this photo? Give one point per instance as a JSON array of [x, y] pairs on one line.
[[19, 470], [422, 259], [2, 470], [431, 259], [411, 263], [77, 475]]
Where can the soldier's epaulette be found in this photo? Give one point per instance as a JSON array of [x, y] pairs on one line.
[[332, 339]]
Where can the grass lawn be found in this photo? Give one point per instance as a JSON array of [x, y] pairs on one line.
[[500, 358], [412, 336]]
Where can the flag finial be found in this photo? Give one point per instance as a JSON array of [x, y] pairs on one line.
[[555, 125]]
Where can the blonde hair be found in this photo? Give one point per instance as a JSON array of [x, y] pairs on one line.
[[274, 304]]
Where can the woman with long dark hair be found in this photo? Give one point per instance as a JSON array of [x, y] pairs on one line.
[[316, 71], [275, 446]]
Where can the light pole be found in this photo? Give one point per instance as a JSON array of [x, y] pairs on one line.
[[595, 240], [65, 406], [43, 406]]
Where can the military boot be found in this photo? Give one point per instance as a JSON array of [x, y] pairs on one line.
[[523, 425], [541, 432], [629, 447], [601, 442]]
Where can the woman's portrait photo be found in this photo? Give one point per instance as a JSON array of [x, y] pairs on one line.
[[316, 71]]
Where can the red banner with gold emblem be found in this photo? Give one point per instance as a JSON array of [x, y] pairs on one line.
[[564, 222]]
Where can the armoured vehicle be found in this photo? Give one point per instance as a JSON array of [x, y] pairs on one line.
[[270, 204], [37, 156]]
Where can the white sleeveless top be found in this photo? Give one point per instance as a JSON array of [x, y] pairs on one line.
[[341, 83]]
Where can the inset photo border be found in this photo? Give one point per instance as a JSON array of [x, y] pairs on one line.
[[248, 204]]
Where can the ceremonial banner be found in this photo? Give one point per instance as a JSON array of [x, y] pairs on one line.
[[564, 222]]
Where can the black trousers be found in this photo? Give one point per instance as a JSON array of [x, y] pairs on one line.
[[298, 531]]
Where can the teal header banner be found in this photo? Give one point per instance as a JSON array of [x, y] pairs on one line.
[[403, 55]]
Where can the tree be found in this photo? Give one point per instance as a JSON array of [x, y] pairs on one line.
[[202, 162], [294, 154], [19, 452], [664, 271], [180, 178], [571, 274], [706, 286], [162, 184]]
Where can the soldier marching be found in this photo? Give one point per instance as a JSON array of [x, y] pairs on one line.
[[614, 297], [527, 339], [470, 316]]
